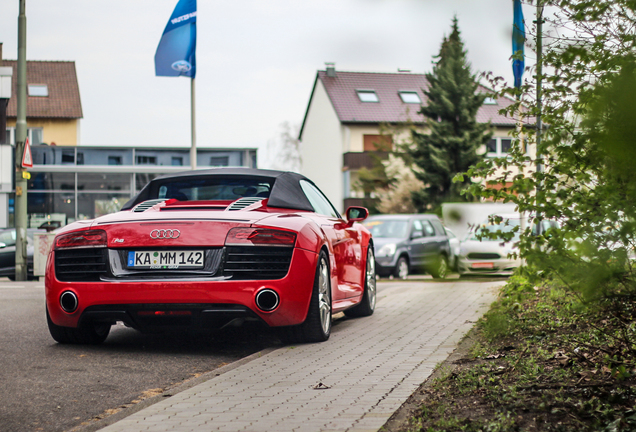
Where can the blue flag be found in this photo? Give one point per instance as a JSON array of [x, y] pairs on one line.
[[518, 42], [175, 54]]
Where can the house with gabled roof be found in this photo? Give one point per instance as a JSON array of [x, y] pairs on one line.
[[353, 115], [54, 108]]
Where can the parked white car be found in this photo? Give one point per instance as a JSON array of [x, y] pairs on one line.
[[487, 256]]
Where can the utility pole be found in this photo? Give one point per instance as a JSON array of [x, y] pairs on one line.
[[21, 175], [539, 156]]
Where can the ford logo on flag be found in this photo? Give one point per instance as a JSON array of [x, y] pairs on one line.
[[181, 66]]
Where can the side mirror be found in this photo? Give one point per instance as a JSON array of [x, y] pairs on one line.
[[417, 234], [356, 214]]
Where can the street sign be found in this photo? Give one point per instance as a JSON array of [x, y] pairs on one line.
[[27, 160]]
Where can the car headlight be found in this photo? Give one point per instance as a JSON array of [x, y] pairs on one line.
[[387, 250]]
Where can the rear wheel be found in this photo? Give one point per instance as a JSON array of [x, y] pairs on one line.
[[88, 334], [441, 268], [317, 325], [367, 304], [402, 268]]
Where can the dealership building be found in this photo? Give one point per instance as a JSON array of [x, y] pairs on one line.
[[70, 183]]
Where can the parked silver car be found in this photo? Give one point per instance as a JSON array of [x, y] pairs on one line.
[[7, 251], [407, 244], [489, 256]]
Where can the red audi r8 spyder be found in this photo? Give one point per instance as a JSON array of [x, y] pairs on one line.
[[208, 248]]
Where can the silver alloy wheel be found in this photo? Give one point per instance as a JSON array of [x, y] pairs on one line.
[[403, 268], [324, 297], [371, 287]]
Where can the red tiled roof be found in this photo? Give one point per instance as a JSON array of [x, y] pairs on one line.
[[390, 108], [60, 77]]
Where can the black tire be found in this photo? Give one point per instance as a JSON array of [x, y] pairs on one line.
[[91, 334], [317, 325], [367, 304], [440, 270], [402, 268]]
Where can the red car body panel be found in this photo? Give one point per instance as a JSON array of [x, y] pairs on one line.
[[205, 224]]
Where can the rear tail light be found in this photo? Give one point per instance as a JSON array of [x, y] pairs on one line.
[[78, 239], [259, 237]]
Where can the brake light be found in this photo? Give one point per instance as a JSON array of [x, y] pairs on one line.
[[259, 236], [89, 238]]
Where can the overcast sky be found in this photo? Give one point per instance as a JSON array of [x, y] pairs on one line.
[[256, 59]]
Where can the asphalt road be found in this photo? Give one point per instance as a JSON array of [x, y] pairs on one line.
[[45, 386]]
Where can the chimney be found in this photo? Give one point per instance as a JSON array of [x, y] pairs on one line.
[[331, 69]]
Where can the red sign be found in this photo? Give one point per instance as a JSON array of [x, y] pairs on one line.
[[27, 160]]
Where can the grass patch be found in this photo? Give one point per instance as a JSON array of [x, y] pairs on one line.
[[545, 360]]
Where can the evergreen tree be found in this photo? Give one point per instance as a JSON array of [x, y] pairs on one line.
[[454, 135]]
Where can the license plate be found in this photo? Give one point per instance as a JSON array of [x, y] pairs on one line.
[[165, 259], [483, 265]]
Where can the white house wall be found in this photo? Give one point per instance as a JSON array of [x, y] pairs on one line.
[[322, 146]]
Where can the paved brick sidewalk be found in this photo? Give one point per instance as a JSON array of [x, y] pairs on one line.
[[371, 366]]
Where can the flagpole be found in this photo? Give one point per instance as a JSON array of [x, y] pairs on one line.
[[193, 148]]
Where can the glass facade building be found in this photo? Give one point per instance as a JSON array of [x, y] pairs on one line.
[[73, 183]]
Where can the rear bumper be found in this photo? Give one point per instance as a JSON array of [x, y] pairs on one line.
[[500, 267], [210, 302]]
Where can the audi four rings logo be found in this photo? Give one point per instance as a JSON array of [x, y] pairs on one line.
[[165, 234]]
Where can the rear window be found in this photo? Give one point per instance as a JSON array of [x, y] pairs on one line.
[[212, 188], [387, 228]]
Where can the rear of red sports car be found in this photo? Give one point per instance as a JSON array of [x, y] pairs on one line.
[[170, 263]]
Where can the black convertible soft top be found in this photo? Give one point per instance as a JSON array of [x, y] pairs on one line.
[[286, 191]]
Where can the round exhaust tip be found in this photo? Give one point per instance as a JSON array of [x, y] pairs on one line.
[[267, 300], [68, 301]]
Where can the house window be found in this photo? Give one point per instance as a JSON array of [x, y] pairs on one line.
[[410, 97], [219, 161], [499, 147], [177, 160], [146, 160], [490, 101], [114, 160], [378, 142], [34, 135], [367, 96], [80, 158], [38, 90]]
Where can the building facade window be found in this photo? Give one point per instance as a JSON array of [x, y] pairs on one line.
[[177, 161], [377, 142], [114, 160], [410, 97], [38, 90], [499, 147], [146, 160], [219, 161], [34, 134], [68, 157], [367, 96]]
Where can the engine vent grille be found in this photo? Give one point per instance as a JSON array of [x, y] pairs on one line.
[[81, 265], [143, 206], [241, 203], [257, 262], [483, 255]]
